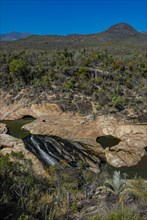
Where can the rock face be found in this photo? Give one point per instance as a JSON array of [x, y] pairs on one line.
[[35, 110], [10, 144], [53, 120], [28, 103], [122, 28], [3, 129], [124, 154], [53, 150], [127, 152]]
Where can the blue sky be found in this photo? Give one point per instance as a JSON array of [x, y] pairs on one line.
[[70, 16]]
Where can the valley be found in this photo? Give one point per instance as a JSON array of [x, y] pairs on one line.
[[73, 125]]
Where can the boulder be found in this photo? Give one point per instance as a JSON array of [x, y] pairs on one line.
[[128, 152], [9, 144], [3, 128], [53, 150], [124, 155]]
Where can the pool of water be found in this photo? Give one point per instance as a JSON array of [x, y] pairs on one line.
[[140, 170], [107, 141], [14, 126]]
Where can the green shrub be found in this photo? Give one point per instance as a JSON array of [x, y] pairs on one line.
[[118, 103], [119, 214]]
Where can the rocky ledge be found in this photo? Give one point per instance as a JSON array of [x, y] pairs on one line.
[[127, 152], [44, 151], [53, 120], [3, 129], [56, 151], [9, 144]]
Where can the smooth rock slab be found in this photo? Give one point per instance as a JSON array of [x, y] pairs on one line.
[[9, 144], [3, 128], [52, 150]]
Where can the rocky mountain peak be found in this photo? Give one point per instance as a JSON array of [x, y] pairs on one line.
[[122, 28]]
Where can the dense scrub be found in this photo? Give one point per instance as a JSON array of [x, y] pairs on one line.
[[115, 83], [67, 193]]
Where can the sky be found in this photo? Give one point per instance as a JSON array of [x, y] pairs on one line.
[[64, 17]]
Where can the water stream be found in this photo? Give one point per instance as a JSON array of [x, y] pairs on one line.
[[14, 126], [140, 170]]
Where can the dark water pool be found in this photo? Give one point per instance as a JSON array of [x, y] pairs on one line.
[[14, 126], [140, 170]]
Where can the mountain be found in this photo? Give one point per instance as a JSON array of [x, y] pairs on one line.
[[13, 36], [119, 34], [122, 29]]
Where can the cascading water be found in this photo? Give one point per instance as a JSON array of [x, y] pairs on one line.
[[51, 150]]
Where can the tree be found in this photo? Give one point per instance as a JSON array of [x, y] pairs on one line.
[[117, 102], [18, 68]]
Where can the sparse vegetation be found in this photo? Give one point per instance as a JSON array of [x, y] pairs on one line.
[[60, 195]]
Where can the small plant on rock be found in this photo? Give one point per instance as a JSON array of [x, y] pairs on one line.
[[117, 185]]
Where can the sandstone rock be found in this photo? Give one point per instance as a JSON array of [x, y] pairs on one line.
[[124, 155], [23, 106], [52, 120], [10, 144], [3, 128], [128, 152], [43, 109]]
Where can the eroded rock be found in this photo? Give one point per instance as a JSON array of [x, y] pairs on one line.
[[52, 150], [52, 120], [128, 152], [9, 144], [123, 155], [3, 128]]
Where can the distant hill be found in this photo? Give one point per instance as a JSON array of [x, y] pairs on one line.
[[122, 28], [119, 34], [13, 36]]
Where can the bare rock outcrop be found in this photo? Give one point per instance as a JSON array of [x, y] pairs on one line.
[[20, 106], [3, 128], [128, 152], [10, 144], [35, 110], [124, 155], [53, 120]]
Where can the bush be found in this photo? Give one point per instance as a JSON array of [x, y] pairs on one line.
[[119, 214], [118, 103]]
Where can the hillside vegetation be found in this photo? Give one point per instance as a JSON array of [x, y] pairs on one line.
[[67, 193], [108, 68]]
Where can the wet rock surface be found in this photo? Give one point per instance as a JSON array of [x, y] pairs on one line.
[[53, 150], [52, 119], [128, 152], [9, 144]]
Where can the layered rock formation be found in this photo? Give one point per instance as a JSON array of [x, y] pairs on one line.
[[127, 152], [27, 102], [53, 120], [53, 150], [9, 144]]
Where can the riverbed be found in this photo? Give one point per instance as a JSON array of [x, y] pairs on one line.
[[140, 170], [14, 126]]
